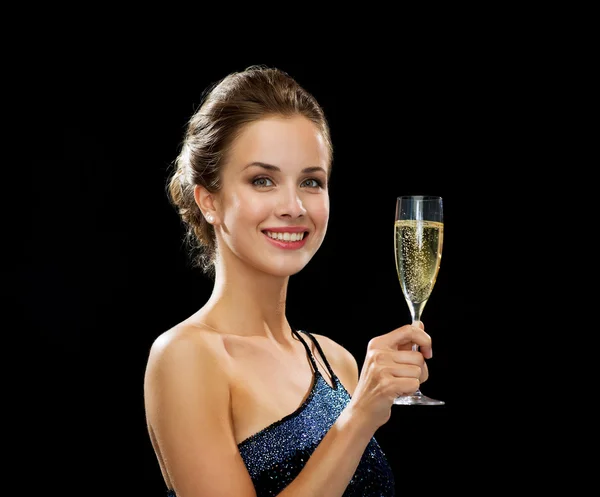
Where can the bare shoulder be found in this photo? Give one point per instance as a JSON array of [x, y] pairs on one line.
[[184, 343], [342, 361], [186, 339], [187, 351]]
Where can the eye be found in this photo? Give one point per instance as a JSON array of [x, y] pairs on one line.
[[262, 182], [312, 183]]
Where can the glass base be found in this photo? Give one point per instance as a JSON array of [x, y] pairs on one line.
[[417, 399]]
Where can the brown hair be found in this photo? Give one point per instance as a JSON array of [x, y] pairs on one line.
[[233, 102]]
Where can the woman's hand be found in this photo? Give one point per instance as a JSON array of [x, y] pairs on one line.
[[391, 368]]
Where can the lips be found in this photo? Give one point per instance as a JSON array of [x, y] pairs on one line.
[[287, 239]]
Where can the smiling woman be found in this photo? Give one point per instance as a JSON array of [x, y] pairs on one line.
[[274, 179], [238, 402]]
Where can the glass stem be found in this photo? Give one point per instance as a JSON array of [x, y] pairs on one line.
[[416, 317], [415, 312]]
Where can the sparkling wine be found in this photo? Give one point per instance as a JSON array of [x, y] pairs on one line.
[[418, 248]]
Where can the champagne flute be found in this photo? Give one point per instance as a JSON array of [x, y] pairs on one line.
[[418, 239]]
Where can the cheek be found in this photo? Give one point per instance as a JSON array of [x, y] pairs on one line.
[[320, 211], [246, 208]]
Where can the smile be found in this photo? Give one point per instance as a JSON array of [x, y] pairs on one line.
[[287, 240], [285, 236]]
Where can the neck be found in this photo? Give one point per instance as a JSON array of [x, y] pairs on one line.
[[248, 302]]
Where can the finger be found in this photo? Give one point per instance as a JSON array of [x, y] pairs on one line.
[[424, 373], [404, 363], [406, 386], [403, 371], [398, 357], [402, 386], [406, 334], [427, 351]]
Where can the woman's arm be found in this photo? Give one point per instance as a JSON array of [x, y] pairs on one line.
[[187, 408], [390, 368], [333, 463]]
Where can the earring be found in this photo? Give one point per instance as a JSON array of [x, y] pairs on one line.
[[209, 218]]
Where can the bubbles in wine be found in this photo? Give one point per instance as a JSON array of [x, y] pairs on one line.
[[418, 247]]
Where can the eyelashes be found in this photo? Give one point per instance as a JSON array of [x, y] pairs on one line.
[[265, 182], [256, 182], [318, 182]]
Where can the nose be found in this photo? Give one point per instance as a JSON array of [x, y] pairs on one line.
[[290, 204]]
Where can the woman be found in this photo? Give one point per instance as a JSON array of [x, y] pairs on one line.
[[239, 403]]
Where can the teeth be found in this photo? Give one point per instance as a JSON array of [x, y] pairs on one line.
[[287, 237]]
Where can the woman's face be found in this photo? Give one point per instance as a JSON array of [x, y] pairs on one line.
[[273, 206]]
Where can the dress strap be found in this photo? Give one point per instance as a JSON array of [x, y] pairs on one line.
[[308, 352], [333, 375]]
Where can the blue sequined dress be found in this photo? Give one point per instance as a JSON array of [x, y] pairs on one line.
[[275, 455]]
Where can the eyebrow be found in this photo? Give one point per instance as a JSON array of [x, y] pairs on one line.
[[270, 167]]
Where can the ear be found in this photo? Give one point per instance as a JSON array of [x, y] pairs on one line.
[[206, 202]]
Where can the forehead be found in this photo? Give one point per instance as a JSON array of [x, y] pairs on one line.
[[285, 142]]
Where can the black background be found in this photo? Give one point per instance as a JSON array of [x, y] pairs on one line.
[[105, 271]]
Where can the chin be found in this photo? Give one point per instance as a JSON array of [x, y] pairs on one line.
[[285, 269]]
